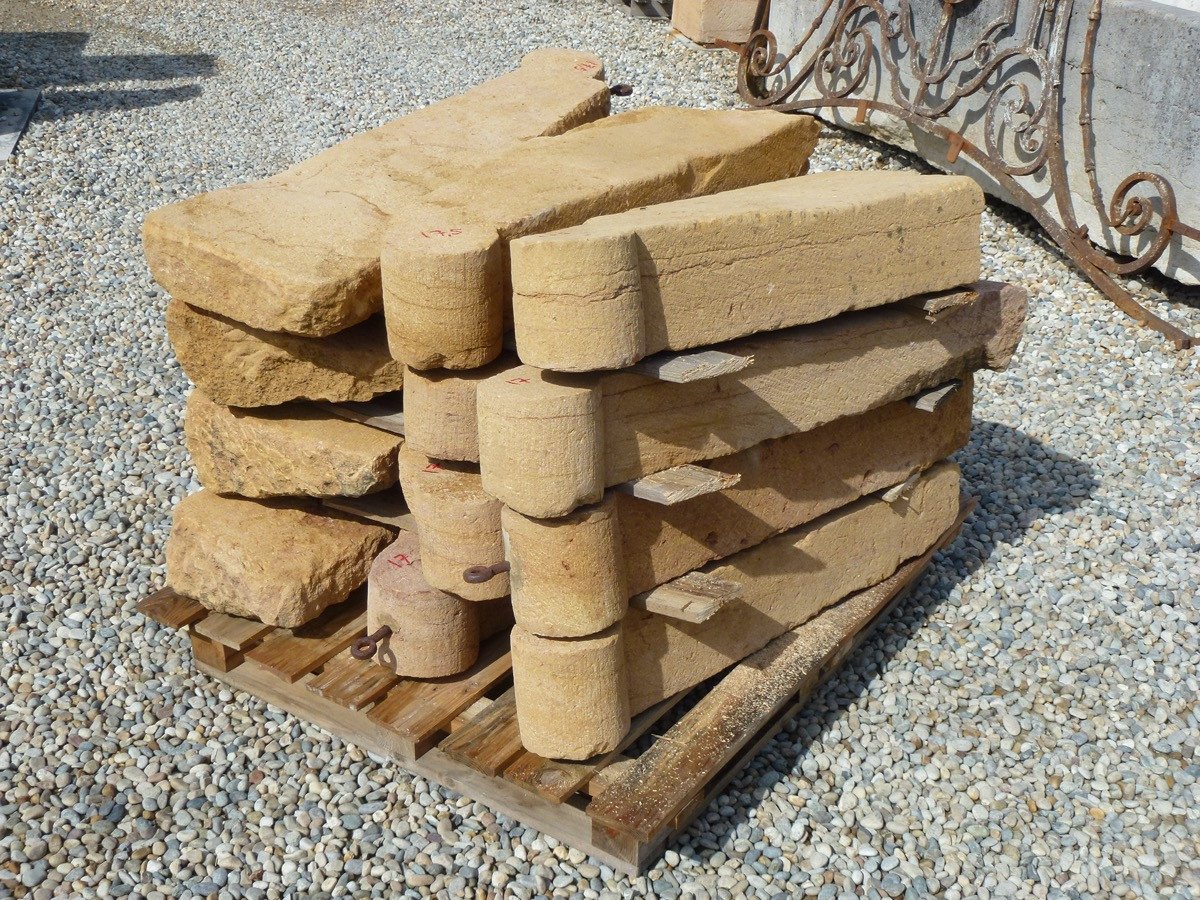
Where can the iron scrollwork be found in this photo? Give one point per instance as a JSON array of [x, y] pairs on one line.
[[1022, 79]]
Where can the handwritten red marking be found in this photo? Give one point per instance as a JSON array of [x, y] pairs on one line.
[[432, 467], [518, 381], [438, 232], [400, 561], [585, 66]]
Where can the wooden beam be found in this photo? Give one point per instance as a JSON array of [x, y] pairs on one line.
[[166, 607], [928, 401], [385, 507]]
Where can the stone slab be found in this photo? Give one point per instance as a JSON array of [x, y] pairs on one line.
[[445, 278], [616, 289], [551, 442], [282, 563], [293, 450], [785, 582], [240, 366], [299, 252], [709, 21]]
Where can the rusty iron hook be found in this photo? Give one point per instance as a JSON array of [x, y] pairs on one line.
[[621, 90], [365, 646], [480, 574]]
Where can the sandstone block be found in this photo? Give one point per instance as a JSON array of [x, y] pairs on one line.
[[433, 633], [439, 409], [785, 582], [709, 21], [457, 522], [445, 280], [282, 563], [299, 252], [240, 366], [286, 451], [618, 288], [551, 442], [784, 483], [571, 694]]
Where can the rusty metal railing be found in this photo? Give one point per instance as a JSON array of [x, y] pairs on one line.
[[922, 92]]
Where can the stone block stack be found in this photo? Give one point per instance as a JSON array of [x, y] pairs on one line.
[[641, 356]]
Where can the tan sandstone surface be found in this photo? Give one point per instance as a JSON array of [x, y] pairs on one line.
[[445, 279], [618, 288], [282, 563], [299, 252], [285, 451], [550, 442], [240, 366]]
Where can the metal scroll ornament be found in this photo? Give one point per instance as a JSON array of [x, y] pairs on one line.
[[1018, 78]]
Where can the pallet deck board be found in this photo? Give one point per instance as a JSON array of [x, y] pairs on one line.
[[621, 808], [292, 654], [232, 631]]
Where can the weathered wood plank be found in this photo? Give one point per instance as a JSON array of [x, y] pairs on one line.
[[681, 368], [385, 412], [420, 712], [292, 653], [694, 597], [385, 507], [672, 486], [350, 682], [234, 632], [166, 607], [665, 779], [491, 740], [930, 400]]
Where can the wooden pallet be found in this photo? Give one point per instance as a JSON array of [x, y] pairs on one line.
[[461, 731]]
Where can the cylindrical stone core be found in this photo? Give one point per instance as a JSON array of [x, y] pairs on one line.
[[572, 697], [541, 440], [439, 409], [443, 292], [567, 576], [434, 633], [458, 524]]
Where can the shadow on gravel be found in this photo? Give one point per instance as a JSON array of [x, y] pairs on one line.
[[55, 62], [1017, 480]]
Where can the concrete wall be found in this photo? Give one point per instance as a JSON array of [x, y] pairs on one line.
[[1145, 102]]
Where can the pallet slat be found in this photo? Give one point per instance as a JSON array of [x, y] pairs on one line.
[[173, 610], [292, 653], [687, 366], [418, 711], [385, 507], [694, 597], [490, 741], [385, 412], [232, 631], [663, 782], [353, 683]]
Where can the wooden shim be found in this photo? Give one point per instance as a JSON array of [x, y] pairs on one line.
[[694, 597], [491, 740], [355, 683], [234, 632], [928, 401], [681, 368], [166, 607], [651, 795], [417, 714], [557, 779], [385, 507], [903, 489], [672, 486], [292, 653], [385, 412]]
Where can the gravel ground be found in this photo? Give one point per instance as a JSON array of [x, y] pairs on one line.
[[1026, 726]]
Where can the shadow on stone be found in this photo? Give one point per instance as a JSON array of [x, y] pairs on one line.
[[1017, 480]]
